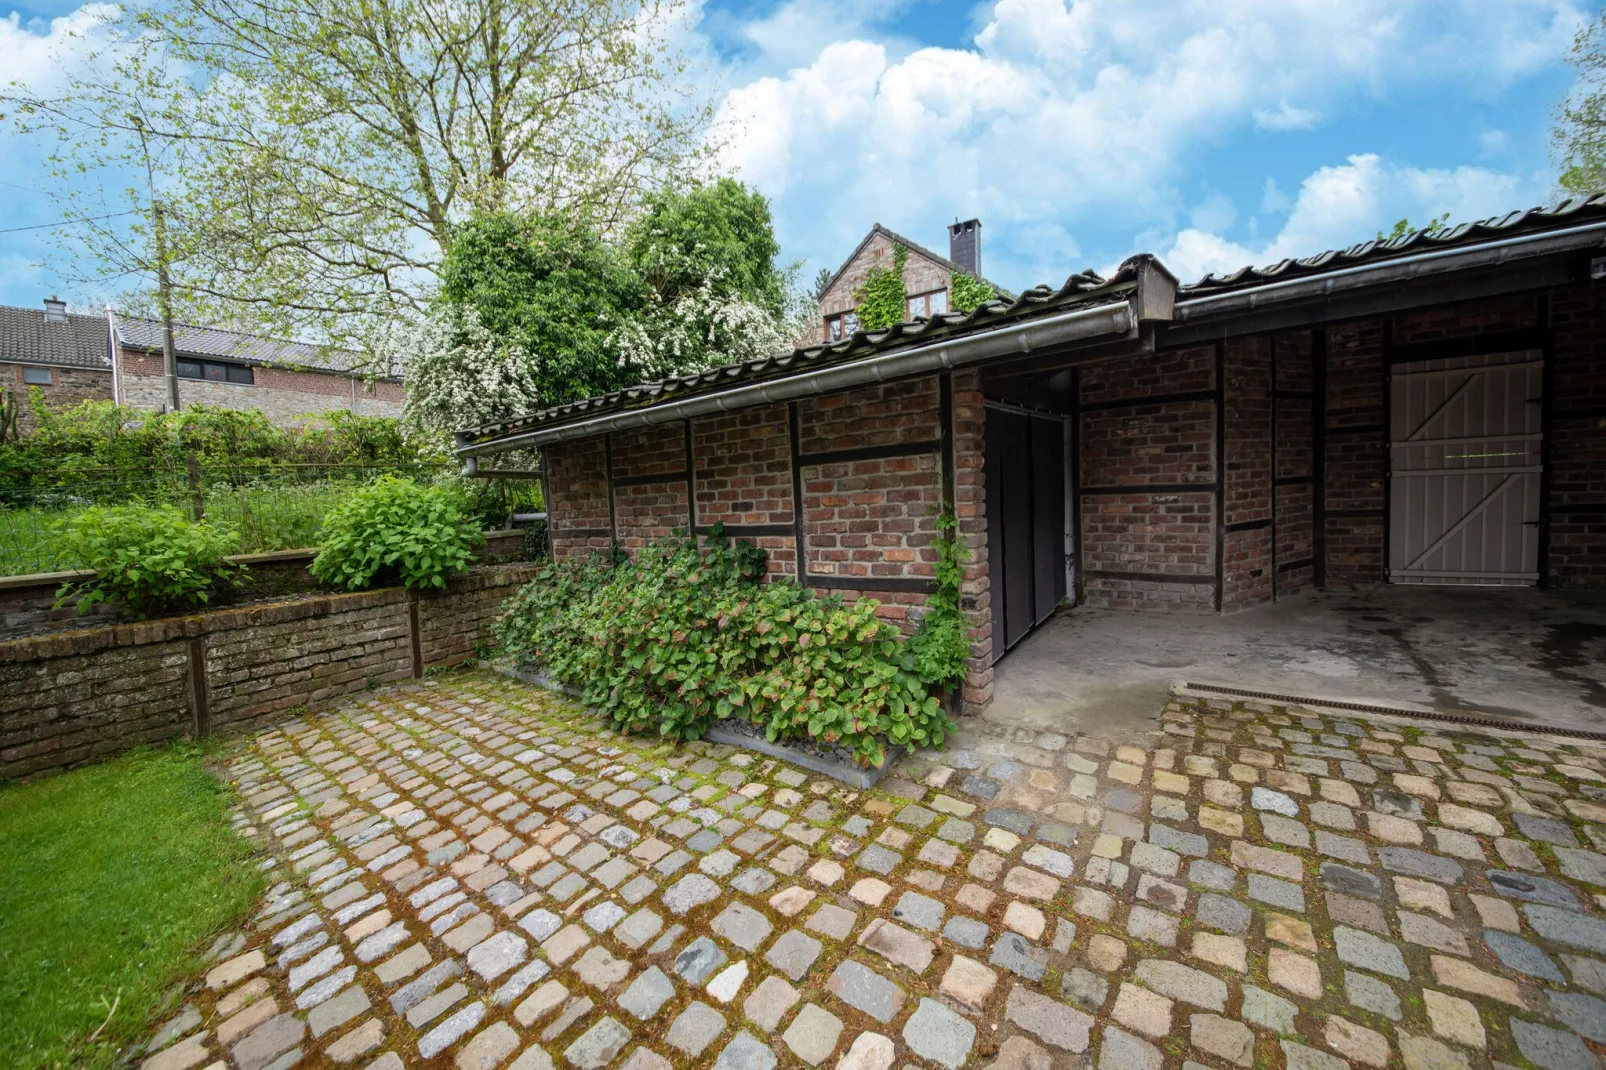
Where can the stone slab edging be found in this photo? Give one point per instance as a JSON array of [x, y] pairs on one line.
[[849, 774]]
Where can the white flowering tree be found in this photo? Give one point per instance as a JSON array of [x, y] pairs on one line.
[[461, 375]]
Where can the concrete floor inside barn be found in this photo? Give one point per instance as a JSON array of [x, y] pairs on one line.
[[1527, 654]]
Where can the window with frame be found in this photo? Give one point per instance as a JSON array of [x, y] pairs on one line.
[[926, 305], [38, 377], [841, 326], [216, 371]]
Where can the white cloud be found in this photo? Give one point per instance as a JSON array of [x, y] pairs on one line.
[[1273, 201], [1066, 109], [1286, 117], [1215, 212], [35, 53], [1349, 203]]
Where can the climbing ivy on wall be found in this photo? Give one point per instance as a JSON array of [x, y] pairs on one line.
[[882, 298], [967, 292]]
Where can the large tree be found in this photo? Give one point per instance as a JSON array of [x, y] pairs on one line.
[[316, 157], [540, 310], [1579, 134]]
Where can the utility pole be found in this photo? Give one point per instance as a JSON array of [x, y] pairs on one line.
[[164, 298]]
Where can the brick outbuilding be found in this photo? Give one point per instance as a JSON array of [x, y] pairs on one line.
[[1427, 410]]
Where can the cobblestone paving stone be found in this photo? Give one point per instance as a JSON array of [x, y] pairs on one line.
[[471, 872]]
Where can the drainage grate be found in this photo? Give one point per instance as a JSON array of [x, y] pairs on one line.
[[1395, 711]]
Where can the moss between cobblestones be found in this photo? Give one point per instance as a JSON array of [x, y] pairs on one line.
[[113, 880]]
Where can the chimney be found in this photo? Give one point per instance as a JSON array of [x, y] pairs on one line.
[[964, 245], [55, 310]]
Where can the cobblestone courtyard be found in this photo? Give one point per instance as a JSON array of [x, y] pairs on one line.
[[472, 872]]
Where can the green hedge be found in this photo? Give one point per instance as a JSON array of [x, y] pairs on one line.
[[677, 638]]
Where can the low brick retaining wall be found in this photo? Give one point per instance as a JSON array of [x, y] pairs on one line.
[[80, 694], [28, 603]]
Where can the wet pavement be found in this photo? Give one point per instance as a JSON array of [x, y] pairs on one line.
[[472, 872]]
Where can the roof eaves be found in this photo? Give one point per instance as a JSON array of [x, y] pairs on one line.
[[1377, 251], [1084, 288]]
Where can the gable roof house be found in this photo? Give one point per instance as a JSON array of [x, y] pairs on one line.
[[71, 357], [927, 277], [1426, 410], [237, 370], [66, 356]]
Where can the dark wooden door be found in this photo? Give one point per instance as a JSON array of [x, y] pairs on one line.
[[1025, 521]]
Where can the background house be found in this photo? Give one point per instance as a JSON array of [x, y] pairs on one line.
[[65, 354], [71, 357], [234, 370], [927, 277]]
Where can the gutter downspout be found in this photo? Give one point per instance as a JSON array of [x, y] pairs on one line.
[[1113, 318], [1399, 269]]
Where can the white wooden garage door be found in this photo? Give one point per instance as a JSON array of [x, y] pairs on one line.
[[1464, 470]]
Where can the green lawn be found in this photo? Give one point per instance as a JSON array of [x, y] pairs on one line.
[[114, 879]]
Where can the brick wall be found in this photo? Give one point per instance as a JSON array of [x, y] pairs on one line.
[[970, 508], [287, 396], [652, 510], [1294, 519], [742, 464], [72, 696], [1577, 545], [1356, 456], [452, 624], [1146, 539], [579, 515], [69, 387], [1247, 473], [262, 663]]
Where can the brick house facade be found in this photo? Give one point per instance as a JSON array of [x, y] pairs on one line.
[[71, 357], [927, 277], [233, 370], [1134, 443]]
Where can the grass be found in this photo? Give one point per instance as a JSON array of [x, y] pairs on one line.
[[114, 879]]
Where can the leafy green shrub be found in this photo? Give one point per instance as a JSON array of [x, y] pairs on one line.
[[395, 530], [940, 647], [149, 559], [677, 638]]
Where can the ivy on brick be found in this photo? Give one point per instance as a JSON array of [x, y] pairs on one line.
[[940, 647], [968, 292], [682, 635], [882, 299]]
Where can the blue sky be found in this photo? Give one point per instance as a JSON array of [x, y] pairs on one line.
[[1213, 133]]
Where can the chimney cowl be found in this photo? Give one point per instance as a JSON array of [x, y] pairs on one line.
[[55, 310], [964, 245]]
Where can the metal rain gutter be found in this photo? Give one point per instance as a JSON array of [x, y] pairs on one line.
[[1398, 269], [1113, 318]]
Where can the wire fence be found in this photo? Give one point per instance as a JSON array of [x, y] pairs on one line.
[[271, 507]]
